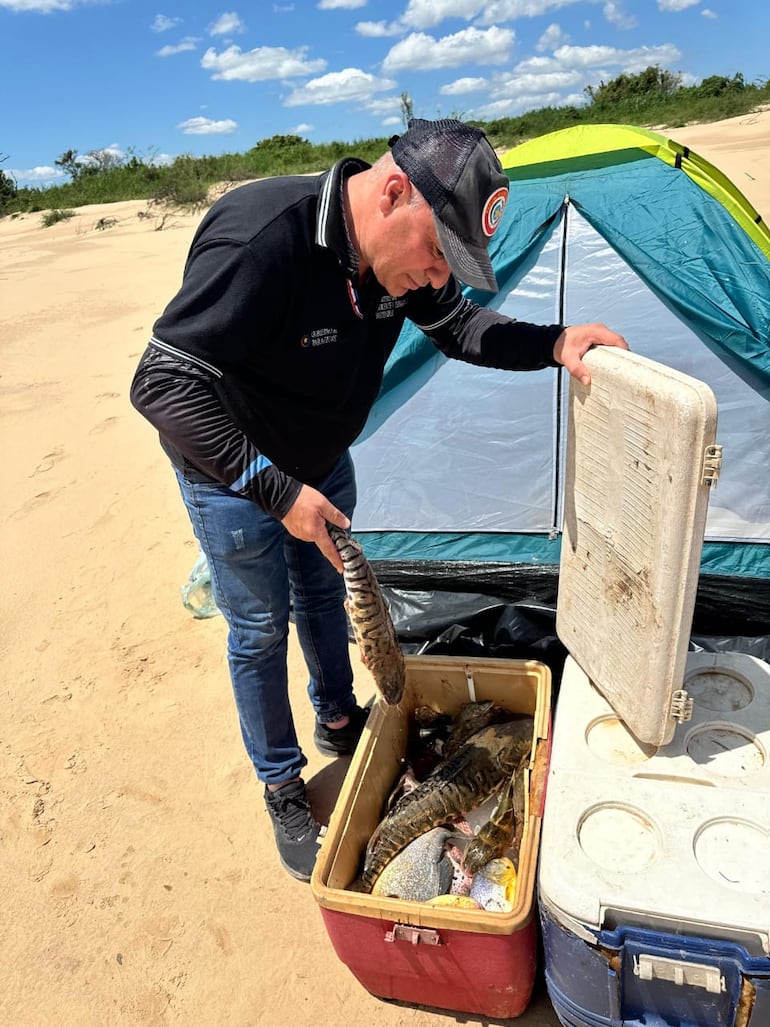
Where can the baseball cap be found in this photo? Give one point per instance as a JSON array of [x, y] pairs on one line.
[[457, 171]]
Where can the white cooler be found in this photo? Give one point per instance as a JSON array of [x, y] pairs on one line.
[[654, 874]]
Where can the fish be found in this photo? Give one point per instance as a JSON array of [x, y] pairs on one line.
[[454, 902], [495, 837], [472, 718], [471, 776], [370, 618], [494, 885], [419, 872]]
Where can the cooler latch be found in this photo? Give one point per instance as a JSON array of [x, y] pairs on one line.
[[712, 465], [681, 706], [414, 935], [694, 975]]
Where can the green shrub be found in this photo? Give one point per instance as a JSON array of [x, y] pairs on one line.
[[53, 217]]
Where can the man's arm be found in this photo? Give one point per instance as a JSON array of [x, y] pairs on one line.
[[177, 395], [488, 338]]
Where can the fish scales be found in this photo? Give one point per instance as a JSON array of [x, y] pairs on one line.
[[369, 617], [469, 778]]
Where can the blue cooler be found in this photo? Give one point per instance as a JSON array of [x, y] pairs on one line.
[[654, 871]]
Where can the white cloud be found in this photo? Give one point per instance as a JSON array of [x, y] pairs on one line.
[[424, 14], [207, 127], [41, 175], [616, 16], [227, 24], [383, 106], [530, 85], [511, 106], [629, 61], [420, 52], [162, 23], [39, 6], [551, 38], [378, 29], [303, 129], [676, 5], [260, 64], [708, 13], [334, 5], [561, 79], [337, 87], [461, 86], [189, 43]]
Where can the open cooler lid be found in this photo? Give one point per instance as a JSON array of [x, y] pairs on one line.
[[640, 462]]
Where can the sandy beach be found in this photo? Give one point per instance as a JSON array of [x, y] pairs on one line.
[[140, 880]]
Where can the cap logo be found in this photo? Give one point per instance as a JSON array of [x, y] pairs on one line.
[[493, 210]]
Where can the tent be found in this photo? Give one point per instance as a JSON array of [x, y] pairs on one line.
[[460, 469]]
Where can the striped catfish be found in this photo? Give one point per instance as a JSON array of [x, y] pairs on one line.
[[372, 627]]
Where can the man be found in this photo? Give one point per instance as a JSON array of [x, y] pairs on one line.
[[260, 374]]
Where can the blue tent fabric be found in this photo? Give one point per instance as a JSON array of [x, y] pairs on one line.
[[721, 287], [464, 464]]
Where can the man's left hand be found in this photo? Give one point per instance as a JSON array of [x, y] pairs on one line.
[[576, 340]]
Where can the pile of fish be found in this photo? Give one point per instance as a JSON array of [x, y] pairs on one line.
[[453, 824]]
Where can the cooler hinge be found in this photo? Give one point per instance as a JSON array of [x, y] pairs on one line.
[[694, 975], [414, 935], [681, 706], [712, 465]]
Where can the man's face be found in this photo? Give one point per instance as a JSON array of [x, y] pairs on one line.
[[407, 255]]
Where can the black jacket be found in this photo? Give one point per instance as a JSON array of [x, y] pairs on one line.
[[263, 368]]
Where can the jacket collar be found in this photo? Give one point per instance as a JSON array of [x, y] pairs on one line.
[[331, 227]]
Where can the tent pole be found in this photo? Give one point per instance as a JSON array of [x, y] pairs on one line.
[[557, 497]]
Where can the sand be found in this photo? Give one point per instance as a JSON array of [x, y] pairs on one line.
[[139, 878]]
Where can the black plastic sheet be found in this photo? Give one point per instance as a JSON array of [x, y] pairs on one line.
[[509, 611]]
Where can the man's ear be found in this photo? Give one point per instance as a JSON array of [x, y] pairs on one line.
[[396, 190]]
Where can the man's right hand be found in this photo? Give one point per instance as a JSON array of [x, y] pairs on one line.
[[306, 520]]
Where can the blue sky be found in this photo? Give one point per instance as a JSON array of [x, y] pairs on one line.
[[163, 78]]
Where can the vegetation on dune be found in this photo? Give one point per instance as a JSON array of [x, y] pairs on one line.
[[54, 216], [652, 97]]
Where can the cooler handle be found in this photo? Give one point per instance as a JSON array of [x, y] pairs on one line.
[[414, 935], [695, 975]]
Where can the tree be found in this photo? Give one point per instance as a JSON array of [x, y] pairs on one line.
[[95, 162], [717, 85], [653, 81], [68, 162], [7, 185], [102, 160], [407, 108]]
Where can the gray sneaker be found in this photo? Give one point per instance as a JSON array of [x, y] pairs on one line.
[[296, 830]]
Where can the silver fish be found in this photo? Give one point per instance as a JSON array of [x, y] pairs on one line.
[[494, 885], [372, 627], [419, 872]]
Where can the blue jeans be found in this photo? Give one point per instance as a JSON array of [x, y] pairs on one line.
[[257, 570]]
